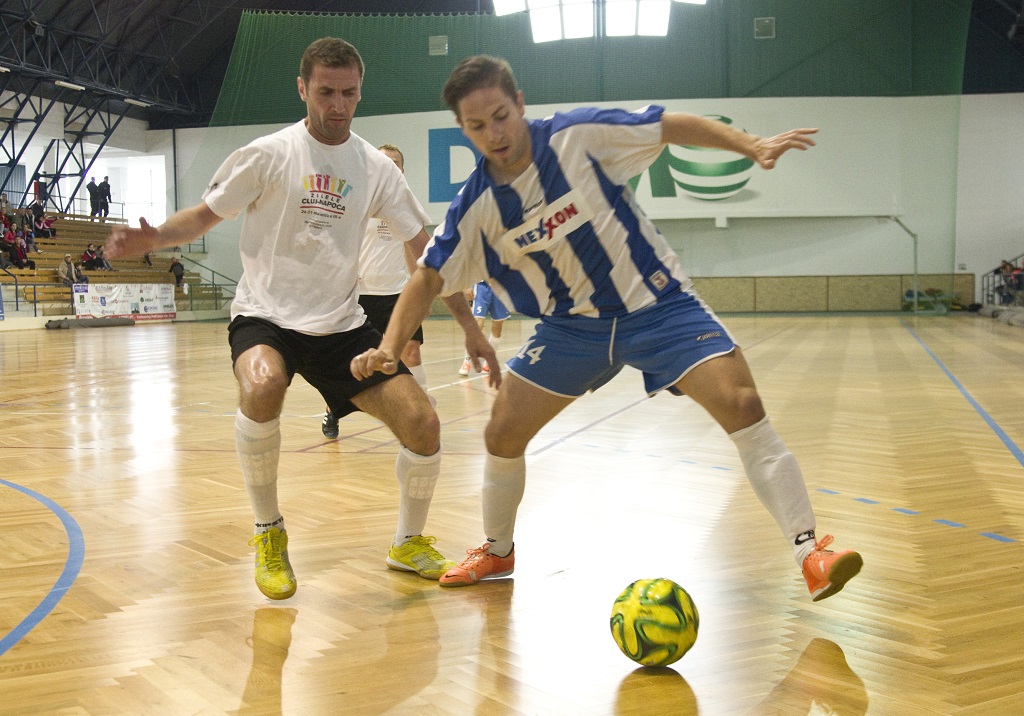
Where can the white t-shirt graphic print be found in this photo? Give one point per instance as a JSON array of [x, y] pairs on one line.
[[306, 208]]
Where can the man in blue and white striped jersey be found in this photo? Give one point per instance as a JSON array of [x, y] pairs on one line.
[[549, 220]]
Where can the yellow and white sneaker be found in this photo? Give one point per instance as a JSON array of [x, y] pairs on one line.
[[274, 576], [418, 555]]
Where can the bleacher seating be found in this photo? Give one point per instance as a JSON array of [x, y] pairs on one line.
[[73, 234]]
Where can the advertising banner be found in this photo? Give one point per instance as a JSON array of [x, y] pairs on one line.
[[138, 301]]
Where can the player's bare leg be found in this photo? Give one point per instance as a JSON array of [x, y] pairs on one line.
[[519, 412], [403, 406], [262, 383], [725, 388]]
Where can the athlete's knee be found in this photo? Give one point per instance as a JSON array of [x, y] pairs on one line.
[[262, 395], [744, 407], [503, 438]]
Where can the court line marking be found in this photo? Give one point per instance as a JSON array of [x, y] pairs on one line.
[[72, 566], [1000, 433], [914, 513]]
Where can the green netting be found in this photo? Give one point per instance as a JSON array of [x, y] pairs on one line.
[[836, 48]]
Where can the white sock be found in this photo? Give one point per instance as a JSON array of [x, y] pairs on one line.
[[504, 485], [495, 341], [259, 450], [420, 375], [776, 478], [417, 475]]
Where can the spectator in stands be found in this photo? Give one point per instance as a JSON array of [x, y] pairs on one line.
[[36, 207], [5, 205], [89, 258], [70, 274], [16, 251], [94, 198], [1007, 286], [178, 270], [30, 236], [40, 227], [26, 240], [101, 261], [104, 195]]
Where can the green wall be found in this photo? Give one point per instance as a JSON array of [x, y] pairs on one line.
[[821, 48]]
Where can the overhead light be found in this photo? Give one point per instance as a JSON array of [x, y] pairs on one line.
[[652, 17], [137, 103], [4, 69], [694, 2], [507, 7], [68, 85], [577, 19], [620, 18], [546, 23]]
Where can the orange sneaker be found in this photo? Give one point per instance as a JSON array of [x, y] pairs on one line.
[[479, 564], [827, 572], [486, 368], [464, 368]]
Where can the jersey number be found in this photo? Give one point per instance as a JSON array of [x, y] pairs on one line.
[[532, 353]]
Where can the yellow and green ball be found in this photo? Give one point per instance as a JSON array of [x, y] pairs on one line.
[[654, 622]]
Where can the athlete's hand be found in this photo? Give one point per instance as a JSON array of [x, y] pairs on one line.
[[767, 150], [126, 242], [480, 350], [366, 364]]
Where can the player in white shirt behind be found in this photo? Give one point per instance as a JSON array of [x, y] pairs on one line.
[[384, 269]]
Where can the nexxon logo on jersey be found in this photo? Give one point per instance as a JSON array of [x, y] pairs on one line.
[[551, 223]]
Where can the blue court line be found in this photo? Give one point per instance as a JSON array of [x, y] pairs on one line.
[[76, 555], [1000, 433], [905, 511]]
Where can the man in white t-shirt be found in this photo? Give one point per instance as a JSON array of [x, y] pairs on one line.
[[384, 268], [307, 192]]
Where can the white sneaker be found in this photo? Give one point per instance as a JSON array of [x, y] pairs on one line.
[[466, 365]]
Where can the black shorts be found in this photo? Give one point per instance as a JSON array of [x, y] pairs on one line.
[[378, 310], [322, 360]]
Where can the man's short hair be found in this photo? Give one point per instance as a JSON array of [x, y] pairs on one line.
[[478, 72], [393, 148], [329, 52]]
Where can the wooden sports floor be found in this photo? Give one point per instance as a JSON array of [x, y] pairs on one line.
[[126, 581]]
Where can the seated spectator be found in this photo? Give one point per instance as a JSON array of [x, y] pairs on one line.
[[27, 240], [89, 257], [40, 228], [101, 261], [69, 274], [17, 254], [178, 270]]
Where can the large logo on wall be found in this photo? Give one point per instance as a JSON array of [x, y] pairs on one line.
[[705, 174]]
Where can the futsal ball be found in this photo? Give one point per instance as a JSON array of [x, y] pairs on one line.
[[654, 622]]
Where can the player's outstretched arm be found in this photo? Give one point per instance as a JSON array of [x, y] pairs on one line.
[[412, 307], [689, 129], [179, 229], [478, 348]]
